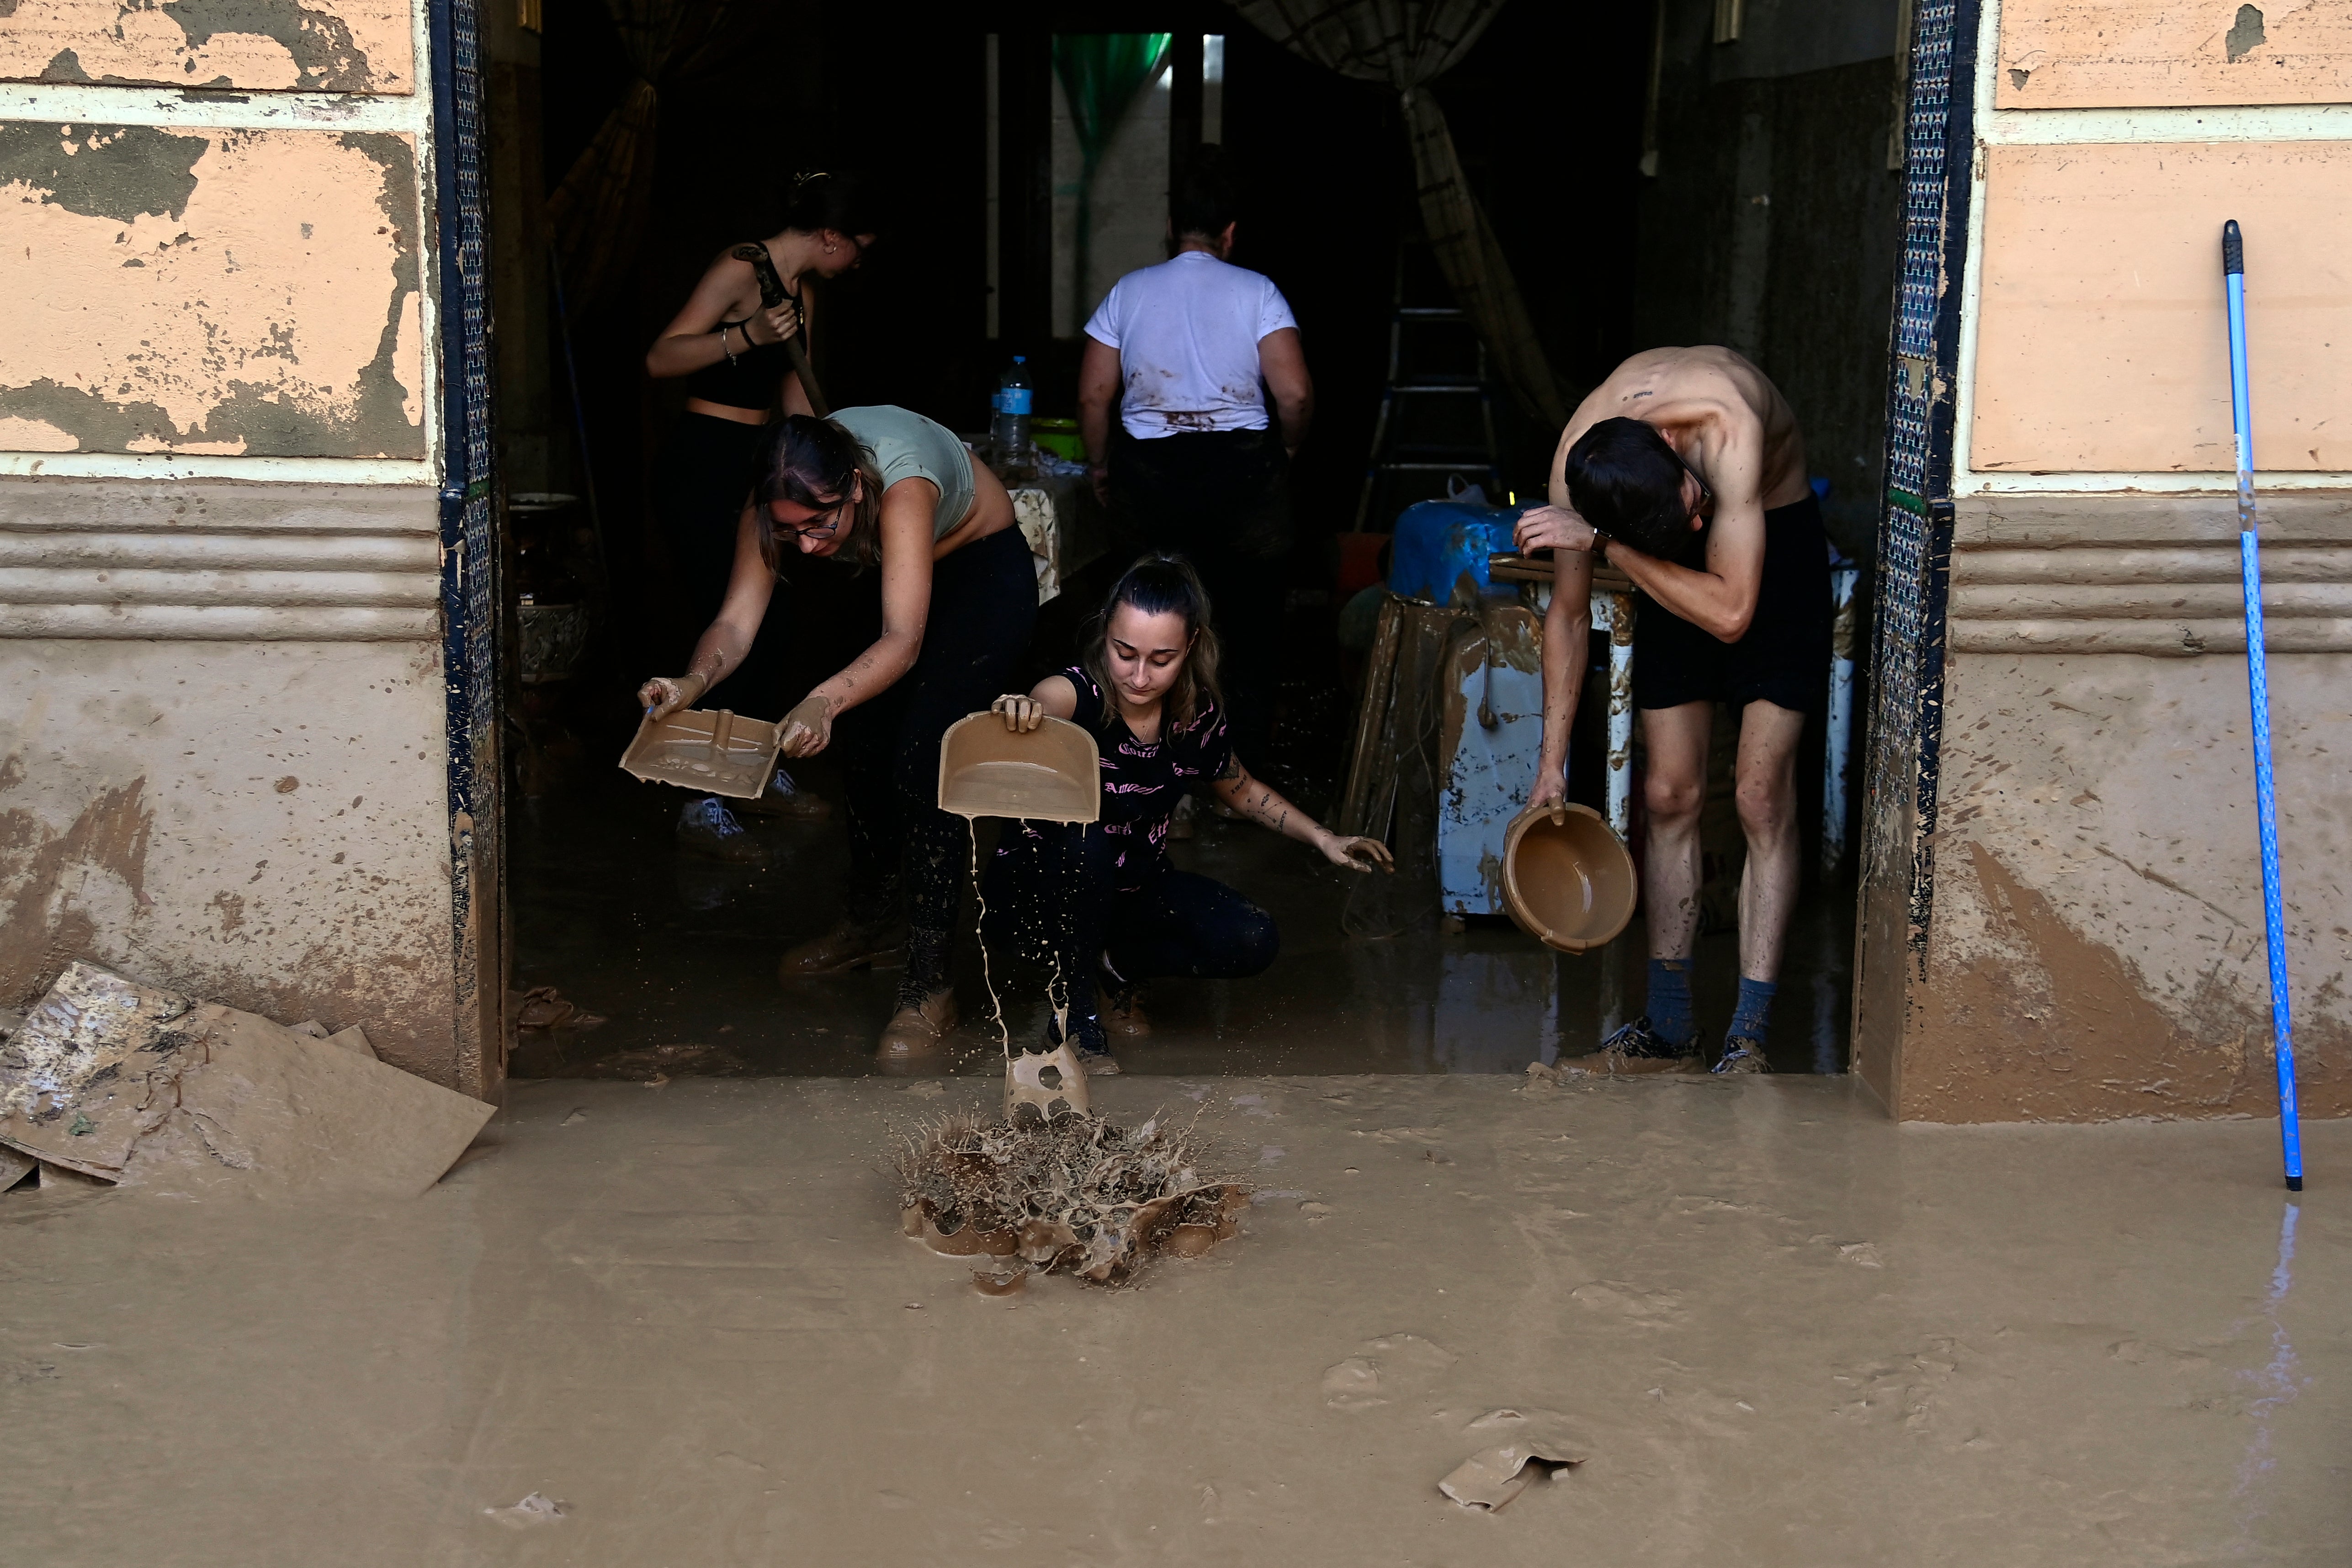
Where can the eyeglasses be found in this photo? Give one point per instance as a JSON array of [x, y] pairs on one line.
[[826, 531]]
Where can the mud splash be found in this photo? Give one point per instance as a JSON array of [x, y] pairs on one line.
[[1072, 1194]]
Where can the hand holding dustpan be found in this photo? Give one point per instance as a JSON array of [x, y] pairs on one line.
[[1020, 762]]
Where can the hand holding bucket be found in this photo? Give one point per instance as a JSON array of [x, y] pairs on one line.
[[1568, 879]]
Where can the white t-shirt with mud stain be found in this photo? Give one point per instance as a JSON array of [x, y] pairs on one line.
[[1187, 332]]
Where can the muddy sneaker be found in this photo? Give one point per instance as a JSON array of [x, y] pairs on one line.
[[784, 798], [1741, 1054], [1098, 1063], [1638, 1048], [1122, 1012], [707, 829]]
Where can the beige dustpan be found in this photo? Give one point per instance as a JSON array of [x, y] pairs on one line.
[[1053, 774], [721, 752]]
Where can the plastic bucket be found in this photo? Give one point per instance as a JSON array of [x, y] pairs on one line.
[[1569, 885]]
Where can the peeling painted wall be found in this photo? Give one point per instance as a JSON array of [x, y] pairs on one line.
[[226, 291], [260, 823], [255, 45], [2088, 54], [2101, 343], [224, 763]]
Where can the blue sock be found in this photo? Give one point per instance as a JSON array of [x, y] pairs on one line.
[[1751, 1019], [1669, 1004]]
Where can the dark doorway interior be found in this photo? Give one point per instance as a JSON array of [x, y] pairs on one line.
[[1556, 114]]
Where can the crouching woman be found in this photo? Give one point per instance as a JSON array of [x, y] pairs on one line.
[[1101, 903]]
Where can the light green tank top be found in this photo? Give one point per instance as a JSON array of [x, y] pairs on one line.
[[906, 445]]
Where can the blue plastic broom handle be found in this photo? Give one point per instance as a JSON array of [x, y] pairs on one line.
[[2258, 682]]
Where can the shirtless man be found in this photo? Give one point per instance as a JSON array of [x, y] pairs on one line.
[[1685, 470]]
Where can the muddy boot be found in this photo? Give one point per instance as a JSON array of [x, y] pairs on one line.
[[1638, 1048], [850, 945], [1123, 1017], [1122, 1013], [1087, 1045], [1741, 1054], [916, 1034], [708, 831], [785, 800]]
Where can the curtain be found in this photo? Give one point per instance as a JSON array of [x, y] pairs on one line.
[[596, 214], [1406, 43], [1100, 74]]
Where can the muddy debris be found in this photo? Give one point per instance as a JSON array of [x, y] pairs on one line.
[[1005, 1279], [654, 1065], [545, 1007], [535, 1510], [111, 1081], [1067, 1193], [1537, 1442]]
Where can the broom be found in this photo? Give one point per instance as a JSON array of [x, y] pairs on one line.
[[2250, 568]]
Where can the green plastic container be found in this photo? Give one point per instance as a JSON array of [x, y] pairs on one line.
[[1058, 436]]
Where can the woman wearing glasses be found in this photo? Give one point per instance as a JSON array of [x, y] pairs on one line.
[[888, 488], [729, 348]]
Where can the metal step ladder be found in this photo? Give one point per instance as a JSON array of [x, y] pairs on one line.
[[1392, 454]]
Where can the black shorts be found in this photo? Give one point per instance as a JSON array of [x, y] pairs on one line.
[[1784, 659]]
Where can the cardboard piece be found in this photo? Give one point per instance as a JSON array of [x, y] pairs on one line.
[[353, 1040], [269, 1103], [1491, 1477], [720, 752]]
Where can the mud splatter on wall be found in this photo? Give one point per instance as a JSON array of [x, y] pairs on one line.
[[262, 824], [214, 291], [261, 46]]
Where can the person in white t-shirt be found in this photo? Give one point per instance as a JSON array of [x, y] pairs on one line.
[[1203, 360]]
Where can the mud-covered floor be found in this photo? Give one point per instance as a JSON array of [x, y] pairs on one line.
[[1791, 1333], [677, 951]]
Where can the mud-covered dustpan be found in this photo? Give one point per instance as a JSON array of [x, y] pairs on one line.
[[722, 752], [1053, 774]]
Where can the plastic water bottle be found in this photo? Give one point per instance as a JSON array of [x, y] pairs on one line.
[[1009, 431]]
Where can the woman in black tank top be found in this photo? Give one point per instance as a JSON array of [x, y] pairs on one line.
[[730, 349]]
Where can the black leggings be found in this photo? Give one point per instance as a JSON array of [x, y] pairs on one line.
[[701, 480], [984, 608], [1053, 901]]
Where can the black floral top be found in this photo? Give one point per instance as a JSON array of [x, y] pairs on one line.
[[1142, 784]]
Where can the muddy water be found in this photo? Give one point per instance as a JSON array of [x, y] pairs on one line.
[[677, 951], [1788, 1332]]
